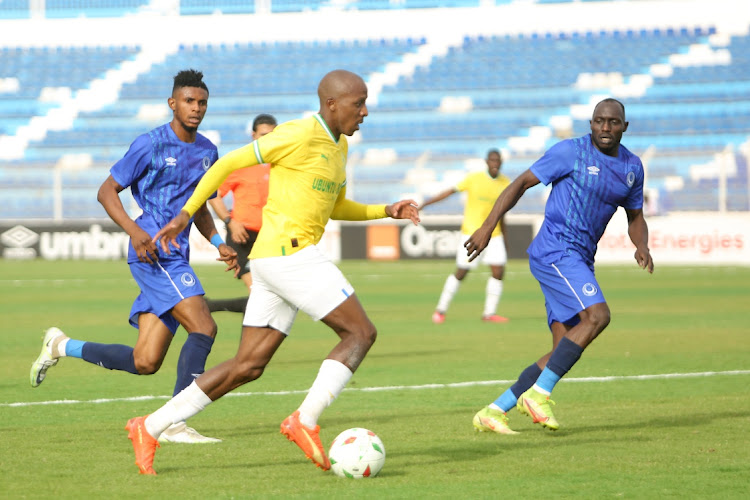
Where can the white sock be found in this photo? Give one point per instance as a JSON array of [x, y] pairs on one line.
[[493, 291], [331, 380], [189, 402], [58, 350], [449, 290], [540, 390]]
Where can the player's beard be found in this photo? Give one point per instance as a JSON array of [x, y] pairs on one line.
[[190, 129]]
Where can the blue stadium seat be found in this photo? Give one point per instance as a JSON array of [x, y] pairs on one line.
[[687, 117]]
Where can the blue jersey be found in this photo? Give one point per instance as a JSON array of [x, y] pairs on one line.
[[587, 188], [162, 172]]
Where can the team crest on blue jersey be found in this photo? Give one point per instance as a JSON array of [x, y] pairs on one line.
[[593, 170], [589, 289], [187, 279], [171, 162], [206, 162], [631, 178]]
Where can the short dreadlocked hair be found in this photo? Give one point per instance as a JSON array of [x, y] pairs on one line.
[[189, 78]]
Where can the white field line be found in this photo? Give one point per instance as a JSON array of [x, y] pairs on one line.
[[614, 378]]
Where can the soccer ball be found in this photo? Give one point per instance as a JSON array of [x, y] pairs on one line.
[[357, 453]]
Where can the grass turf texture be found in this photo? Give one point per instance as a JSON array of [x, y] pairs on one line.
[[625, 438]]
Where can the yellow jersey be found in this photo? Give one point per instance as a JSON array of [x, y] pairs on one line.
[[306, 185], [481, 193]]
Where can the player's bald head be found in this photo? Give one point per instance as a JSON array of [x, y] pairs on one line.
[[337, 83], [342, 101]]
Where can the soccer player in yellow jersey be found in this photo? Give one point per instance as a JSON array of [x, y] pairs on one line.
[[482, 189], [307, 188]]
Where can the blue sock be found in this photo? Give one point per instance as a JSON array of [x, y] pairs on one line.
[[547, 380], [192, 360], [506, 401], [110, 356], [526, 379], [74, 348], [562, 360]]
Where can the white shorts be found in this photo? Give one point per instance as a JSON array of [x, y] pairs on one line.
[[493, 255], [306, 280]]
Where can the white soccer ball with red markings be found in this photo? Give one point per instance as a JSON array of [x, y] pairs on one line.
[[357, 453]]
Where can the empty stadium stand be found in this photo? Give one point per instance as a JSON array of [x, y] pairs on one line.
[[69, 112]]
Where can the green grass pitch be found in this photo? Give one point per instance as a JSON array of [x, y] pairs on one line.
[[657, 407]]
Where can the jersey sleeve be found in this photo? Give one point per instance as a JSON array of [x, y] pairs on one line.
[[557, 162], [634, 201], [346, 209], [134, 164], [463, 185], [229, 185], [214, 159]]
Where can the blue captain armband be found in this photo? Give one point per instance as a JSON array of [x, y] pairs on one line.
[[216, 240]]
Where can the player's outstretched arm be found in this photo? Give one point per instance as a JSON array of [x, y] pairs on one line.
[[345, 209], [205, 224], [507, 200], [168, 234], [404, 209], [638, 232], [209, 183], [438, 197]]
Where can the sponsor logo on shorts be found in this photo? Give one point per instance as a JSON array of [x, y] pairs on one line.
[[187, 279], [589, 289]]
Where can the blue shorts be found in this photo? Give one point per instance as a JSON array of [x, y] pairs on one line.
[[569, 287], [163, 285]]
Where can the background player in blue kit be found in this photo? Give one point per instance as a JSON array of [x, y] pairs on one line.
[[162, 168], [591, 176]]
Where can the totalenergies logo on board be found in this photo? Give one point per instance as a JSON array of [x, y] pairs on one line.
[[704, 243]]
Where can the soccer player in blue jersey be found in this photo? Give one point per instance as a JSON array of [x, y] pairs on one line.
[[591, 176], [162, 169]]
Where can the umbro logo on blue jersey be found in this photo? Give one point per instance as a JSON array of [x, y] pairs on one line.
[[171, 162], [593, 170]]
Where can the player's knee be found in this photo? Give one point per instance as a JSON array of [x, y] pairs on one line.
[[147, 365], [212, 329], [208, 327], [599, 318], [247, 371], [368, 334]]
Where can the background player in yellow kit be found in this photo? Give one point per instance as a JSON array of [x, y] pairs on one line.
[[482, 189]]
